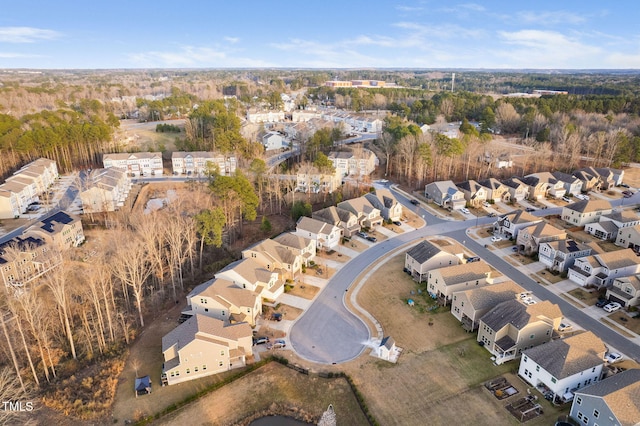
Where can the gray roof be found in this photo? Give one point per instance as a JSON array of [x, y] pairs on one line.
[[519, 315], [585, 206], [491, 183], [621, 392], [565, 357], [423, 251], [485, 297], [202, 326]]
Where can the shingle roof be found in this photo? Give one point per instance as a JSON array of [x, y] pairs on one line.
[[485, 297], [54, 222], [520, 216], [313, 225], [204, 328], [423, 251], [225, 292], [567, 246], [618, 259], [491, 183], [465, 272], [565, 357], [621, 392], [543, 229], [586, 206], [515, 313], [292, 240]]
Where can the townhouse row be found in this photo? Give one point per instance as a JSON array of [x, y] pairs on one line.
[[183, 163], [26, 186]]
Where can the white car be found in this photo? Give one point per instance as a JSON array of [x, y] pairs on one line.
[[565, 327], [529, 301], [495, 239], [486, 204], [464, 210], [612, 307], [612, 357]]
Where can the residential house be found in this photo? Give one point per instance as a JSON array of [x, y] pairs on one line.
[[474, 193], [106, 190], [249, 274], [25, 186], [496, 190], [274, 140], [629, 237], [386, 203], [601, 269], [325, 235], [358, 162], [202, 346], [443, 282], [560, 255], [343, 219], [60, 230], [25, 259], [254, 116], [23, 194], [544, 183], [518, 190], [572, 184], [564, 365], [428, 255], [614, 401], [136, 164], [610, 224], [511, 327], [274, 256], [368, 215], [45, 171], [586, 211], [200, 162], [10, 206], [625, 290], [222, 299], [606, 176], [589, 178], [617, 176], [445, 194], [305, 248], [530, 237], [312, 180], [510, 224], [468, 306]]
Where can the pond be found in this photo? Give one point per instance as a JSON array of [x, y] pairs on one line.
[[277, 421]]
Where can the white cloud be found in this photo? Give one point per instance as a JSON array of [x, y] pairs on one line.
[[194, 56], [550, 17], [403, 8], [232, 40], [26, 34], [13, 55]]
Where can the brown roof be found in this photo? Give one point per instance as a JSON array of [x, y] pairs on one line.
[[204, 328], [586, 206], [465, 272], [621, 393], [485, 297], [618, 259]]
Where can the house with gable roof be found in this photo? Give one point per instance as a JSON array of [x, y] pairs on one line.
[[343, 219], [629, 238], [222, 299], [496, 190], [248, 273], [560, 255], [601, 269], [383, 200], [274, 256], [445, 194], [443, 282], [59, 229], [474, 193], [518, 190], [511, 327], [625, 290], [564, 365], [326, 236], [468, 306], [511, 223], [202, 346], [585, 211], [106, 190], [530, 237], [614, 401], [368, 215], [428, 255], [300, 246], [542, 184], [572, 185], [137, 164], [609, 225]]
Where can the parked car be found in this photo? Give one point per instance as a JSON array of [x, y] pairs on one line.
[[566, 199], [276, 316], [361, 234], [397, 223], [279, 343], [624, 185], [529, 301], [565, 327], [414, 202], [601, 303], [464, 210], [514, 248], [612, 357], [473, 259], [260, 340], [486, 204], [495, 239], [492, 214], [372, 239], [530, 209], [612, 307]]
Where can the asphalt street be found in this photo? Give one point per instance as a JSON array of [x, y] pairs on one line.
[[329, 333]]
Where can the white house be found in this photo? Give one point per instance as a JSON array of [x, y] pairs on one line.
[[564, 365], [625, 290], [560, 255], [601, 269], [136, 164], [249, 274], [586, 211], [222, 299], [428, 255], [273, 140], [199, 162], [106, 190], [326, 236]]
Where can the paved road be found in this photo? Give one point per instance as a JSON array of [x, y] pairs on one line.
[[329, 333]]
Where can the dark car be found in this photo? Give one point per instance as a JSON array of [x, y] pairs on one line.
[[530, 209], [372, 239], [624, 185], [260, 340], [491, 214], [361, 234], [397, 223], [276, 316], [473, 259], [414, 202], [601, 303]]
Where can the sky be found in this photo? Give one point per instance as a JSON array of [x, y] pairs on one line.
[[505, 34]]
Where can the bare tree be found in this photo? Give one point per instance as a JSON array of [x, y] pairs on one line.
[[130, 265], [56, 281]]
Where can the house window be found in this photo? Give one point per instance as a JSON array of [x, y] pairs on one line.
[[220, 364], [204, 366], [585, 420], [537, 368], [222, 313], [177, 372], [206, 309], [188, 371], [553, 380], [596, 413], [195, 369], [533, 336], [524, 358], [579, 401], [222, 353]]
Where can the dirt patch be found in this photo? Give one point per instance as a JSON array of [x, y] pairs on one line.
[[334, 255], [288, 312], [305, 291], [624, 320], [587, 297], [320, 270]]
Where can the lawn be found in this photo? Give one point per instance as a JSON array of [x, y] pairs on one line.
[[587, 297]]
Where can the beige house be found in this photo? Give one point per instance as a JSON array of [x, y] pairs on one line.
[[59, 230], [343, 219], [25, 259], [383, 200], [43, 170], [511, 327], [572, 185], [510, 224], [325, 235], [222, 299], [601, 269], [10, 204], [585, 211], [312, 180], [474, 193], [202, 346], [609, 225], [360, 162], [629, 238], [518, 190], [274, 256], [248, 273], [445, 281], [428, 255], [625, 290], [368, 215], [542, 184], [25, 186], [529, 238], [468, 306], [106, 190], [199, 162], [303, 247], [136, 164], [496, 190]]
